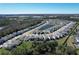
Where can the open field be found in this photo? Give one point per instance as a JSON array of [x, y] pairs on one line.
[[69, 42]]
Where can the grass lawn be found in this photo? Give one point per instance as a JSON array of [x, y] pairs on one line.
[[69, 42]]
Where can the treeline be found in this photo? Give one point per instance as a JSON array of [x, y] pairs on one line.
[[5, 22], [16, 25], [67, 18], [62, 18], [40, 48]]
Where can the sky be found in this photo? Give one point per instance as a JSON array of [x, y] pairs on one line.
[[39, 8]]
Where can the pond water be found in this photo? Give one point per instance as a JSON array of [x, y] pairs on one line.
[[45, 27]]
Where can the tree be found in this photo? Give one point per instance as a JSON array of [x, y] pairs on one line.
[[23, 49], [4, 52], [71, 50]]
